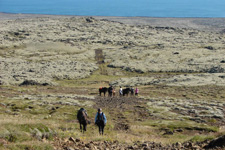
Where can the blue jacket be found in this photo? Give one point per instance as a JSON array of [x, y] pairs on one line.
[[104, 117]]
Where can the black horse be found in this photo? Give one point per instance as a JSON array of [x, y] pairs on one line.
[[82, 118], [103, 90], [126, 91]]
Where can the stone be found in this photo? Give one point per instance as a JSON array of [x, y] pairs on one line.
[[72, 139], [2, 104], [178, 145], [37, 133], [217, 143], [144, 145], [70, 148]]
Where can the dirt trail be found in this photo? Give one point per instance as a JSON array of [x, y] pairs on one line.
[[118, 106], [99, 56]]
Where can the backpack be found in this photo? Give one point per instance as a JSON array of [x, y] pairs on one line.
[[100, 117]]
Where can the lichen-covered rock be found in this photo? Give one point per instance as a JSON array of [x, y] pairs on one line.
[[177, 80], [21, 72]]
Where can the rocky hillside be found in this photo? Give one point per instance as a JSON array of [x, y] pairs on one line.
[[51, 66], [50, 48]]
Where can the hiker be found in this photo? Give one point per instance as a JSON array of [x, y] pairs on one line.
[[114, 92], [136, 91], [110, 91], [100, 121], [82, 118], [121, 91], [132, 91]]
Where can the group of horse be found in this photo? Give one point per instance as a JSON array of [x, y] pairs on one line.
[[82, 113], [112, 92]]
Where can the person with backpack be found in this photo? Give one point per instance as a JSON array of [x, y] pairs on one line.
[[100, 121]]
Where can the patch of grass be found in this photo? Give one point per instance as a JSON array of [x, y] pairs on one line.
[[94, 80], [103, 69], [39, 111], [32, 145], [28, 127], [200, 138], [186, 125], [177, 137], [24, 132], [142, 130], [212, 120], [14, 135]]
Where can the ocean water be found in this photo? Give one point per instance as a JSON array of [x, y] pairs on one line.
[[149, 8]]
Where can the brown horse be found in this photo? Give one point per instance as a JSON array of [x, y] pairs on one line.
[[83, 120]]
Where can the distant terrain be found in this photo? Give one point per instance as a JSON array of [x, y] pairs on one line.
[[53, 65]]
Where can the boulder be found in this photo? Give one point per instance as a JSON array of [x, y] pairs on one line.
[[219, 142], [32, 82]]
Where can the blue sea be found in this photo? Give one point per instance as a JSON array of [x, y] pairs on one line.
[[144, 8]]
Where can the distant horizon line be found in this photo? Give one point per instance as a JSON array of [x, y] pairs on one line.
[[102, 16]]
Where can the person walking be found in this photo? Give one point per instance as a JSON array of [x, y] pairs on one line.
[[100, 121], [121, 91], [131, 91], [136, 91], [114, 92]]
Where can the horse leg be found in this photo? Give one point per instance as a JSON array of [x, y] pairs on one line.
[[80, 127], [85, 127]]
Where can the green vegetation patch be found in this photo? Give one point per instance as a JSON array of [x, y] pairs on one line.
[[186, 125], [200, 138], [25, 132], [35, 145]]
